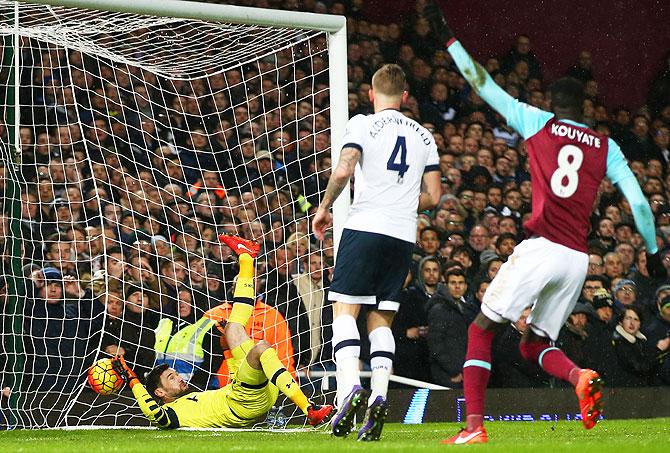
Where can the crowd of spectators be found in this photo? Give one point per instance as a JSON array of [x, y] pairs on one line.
[[127, 179]]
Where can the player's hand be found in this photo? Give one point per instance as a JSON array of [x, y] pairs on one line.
[[434, 14], [655, 266], [322, 221], [123, 370]]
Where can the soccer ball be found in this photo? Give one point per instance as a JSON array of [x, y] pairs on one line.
[[103, 379]]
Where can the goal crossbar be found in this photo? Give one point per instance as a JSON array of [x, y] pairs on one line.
[[210, 12]]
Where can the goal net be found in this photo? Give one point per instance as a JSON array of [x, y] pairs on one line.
[[130, 142]]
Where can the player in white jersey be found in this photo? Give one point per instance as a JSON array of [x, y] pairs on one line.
[[395, 156]]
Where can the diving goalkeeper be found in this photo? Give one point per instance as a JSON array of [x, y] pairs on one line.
[[257, 373]]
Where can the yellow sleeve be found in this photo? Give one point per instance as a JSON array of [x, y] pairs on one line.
[[164, 417]]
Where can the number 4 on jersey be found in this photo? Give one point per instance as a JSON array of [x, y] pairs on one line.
[[401, 167]]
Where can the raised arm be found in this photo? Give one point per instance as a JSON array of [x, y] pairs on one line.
[[523, 118]]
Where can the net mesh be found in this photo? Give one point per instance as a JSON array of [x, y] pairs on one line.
[[141, 140]]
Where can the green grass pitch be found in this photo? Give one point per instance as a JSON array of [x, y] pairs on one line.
[[608, 436]]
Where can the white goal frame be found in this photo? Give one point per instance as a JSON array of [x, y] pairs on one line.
[[334, 26]]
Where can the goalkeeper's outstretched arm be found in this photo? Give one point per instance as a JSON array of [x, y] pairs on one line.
[[161, 416]]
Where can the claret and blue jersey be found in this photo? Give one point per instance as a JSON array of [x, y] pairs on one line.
[[567, 163]]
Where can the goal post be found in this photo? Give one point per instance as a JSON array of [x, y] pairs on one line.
[[139, 131], [336, 26], [337, 44]]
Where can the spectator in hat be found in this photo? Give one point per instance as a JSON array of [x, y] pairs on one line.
[[63, 321], [625, 294], [603, 304], [657, 331], [657, 327], [601, 324]]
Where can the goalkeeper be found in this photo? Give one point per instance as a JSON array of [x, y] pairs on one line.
[[257, 374]]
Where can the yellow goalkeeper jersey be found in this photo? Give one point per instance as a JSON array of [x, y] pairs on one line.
[[239, 404]]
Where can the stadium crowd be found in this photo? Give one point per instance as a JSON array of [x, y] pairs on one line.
[[127, 179]]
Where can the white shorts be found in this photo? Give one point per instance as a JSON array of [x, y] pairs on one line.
[[540, 274]]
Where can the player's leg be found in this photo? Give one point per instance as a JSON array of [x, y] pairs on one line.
[[263, 357], [515, 288], [346, 349], [346, 352], [393, 266], [476, 373], [352, 286], [244, 297], [382, 352], [553, 307]]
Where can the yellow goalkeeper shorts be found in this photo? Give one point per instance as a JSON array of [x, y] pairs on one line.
[[248, 398]]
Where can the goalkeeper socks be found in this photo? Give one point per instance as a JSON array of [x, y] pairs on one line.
[[382, 352], [280, 377], [551, 359], [245, 292], [476, 372], [346, 351]]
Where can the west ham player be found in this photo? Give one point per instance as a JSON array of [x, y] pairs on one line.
[[546, 271], [394, 156]]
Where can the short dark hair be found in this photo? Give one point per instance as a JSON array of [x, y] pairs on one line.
[[638, 311], [458, 272], [597, 278], [430, 228], [153, 379], [567, 93], [504, 236]]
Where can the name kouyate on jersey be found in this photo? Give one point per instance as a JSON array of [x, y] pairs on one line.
[[395, 153]]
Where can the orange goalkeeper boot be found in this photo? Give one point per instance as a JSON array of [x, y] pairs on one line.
[[478, 436], [240, 245], [318, 414], [589, 392]]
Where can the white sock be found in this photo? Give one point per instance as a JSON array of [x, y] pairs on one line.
[[382, 350], [346, 352]]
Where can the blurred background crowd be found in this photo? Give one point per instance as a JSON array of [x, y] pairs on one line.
[[127, 178]]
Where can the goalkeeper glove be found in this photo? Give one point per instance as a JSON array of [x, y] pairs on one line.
[[433, 13], [123, 370], [655, 266]]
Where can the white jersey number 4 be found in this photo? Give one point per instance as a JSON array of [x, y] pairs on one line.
[[567, 171], [401, 167]]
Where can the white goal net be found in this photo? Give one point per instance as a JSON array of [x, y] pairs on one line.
[[130, 142]]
